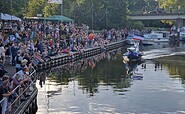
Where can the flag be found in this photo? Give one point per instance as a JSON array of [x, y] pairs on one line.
[[138, 37], [55, 1]]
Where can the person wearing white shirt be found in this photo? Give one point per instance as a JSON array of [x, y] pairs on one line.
[[2, 53]]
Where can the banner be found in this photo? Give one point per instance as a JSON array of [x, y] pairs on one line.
[[55, 1]]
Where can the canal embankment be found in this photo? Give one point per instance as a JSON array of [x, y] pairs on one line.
[[29, 106], [66, 58]]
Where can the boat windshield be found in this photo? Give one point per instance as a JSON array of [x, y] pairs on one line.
[[152, 36]]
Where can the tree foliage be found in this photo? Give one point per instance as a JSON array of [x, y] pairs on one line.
[[98, 14], [174, 4]]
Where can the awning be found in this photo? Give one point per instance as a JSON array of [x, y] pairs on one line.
[[9, 17], [59, 18]]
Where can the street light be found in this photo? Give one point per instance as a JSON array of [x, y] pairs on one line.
[[92, 16], [11, 13], [62, 7], [158, 2], [178, 8]]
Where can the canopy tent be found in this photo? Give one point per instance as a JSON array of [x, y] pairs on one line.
[[9, 17], [59, 18]]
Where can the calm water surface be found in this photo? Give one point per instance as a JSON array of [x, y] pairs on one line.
[[101, 85]]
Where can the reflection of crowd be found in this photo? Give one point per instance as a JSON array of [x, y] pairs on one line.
[[27, 44], [78, 66], [71, 67]]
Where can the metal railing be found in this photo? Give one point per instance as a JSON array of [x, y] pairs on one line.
[[18, 99]]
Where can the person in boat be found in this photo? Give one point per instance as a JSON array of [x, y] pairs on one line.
[[133, 54]]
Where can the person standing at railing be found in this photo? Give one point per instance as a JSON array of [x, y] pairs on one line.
[[2, 53], [23, 79], [18, 60], [14, 54], [4, 94]]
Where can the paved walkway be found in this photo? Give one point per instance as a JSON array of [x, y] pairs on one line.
[[9, 68]]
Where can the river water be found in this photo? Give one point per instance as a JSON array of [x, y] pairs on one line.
[[105, 85]]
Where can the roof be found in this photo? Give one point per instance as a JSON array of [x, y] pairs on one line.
[[9, 17], [59, 18]]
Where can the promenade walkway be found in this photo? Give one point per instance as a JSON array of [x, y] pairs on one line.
[[9, 68], [29, 100]]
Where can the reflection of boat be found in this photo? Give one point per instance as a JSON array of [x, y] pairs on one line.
[[131, 68], [133, 54], [137, 77]]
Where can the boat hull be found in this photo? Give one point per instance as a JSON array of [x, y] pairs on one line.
[[127, 60]]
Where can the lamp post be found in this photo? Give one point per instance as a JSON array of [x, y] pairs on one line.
[[92, 15], [178, 8], [106, 13], [11, 13], [62, 7], [158, 2]]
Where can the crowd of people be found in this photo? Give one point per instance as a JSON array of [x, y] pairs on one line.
[[29, 43]]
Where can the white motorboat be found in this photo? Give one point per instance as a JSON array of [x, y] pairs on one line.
[[182, 35], [133, 54], [133, 39], [149, 39], [130, 39], [157, 36]]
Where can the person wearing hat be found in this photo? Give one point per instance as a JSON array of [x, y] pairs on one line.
[[24, 63], [28, 58]]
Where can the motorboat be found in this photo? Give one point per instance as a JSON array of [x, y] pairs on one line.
[[182, 35], [148, 41], [133, 54], [133, 39], [130, 40], [149, 38], [157, 36]]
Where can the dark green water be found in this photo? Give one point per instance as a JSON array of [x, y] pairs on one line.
[[100, 85]]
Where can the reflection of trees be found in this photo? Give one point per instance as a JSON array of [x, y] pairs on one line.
[[94, 71], [175, 66], [176, 69], [110, 73]]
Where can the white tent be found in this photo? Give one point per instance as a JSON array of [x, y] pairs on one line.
[[9, 17]]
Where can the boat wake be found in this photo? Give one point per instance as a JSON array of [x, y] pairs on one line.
[[152, 54]]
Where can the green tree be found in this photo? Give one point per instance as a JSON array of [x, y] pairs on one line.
[[35, 7]]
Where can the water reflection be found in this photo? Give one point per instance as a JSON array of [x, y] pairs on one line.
[[101, 84], [89, 76], [132, 67], [174, 65]]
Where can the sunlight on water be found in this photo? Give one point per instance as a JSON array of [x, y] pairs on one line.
[[104, 87]]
